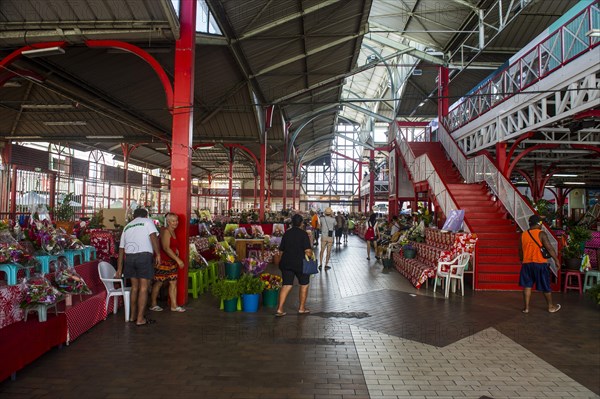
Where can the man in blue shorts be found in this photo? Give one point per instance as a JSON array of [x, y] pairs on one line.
[[139, 241], [535, 268]]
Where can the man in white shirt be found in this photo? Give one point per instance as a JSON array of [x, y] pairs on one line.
[[327, 225], [139, 241]]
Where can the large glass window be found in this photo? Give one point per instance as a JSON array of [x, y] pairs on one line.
[[205, 21]]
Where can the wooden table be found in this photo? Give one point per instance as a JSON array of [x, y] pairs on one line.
[[242, 243]]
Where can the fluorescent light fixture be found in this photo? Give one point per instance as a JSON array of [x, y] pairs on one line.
[[105, 137], [564, 175], [43, 52], [47, 106], [574, 182], [24, 137], [160, 148], [65, 123], [595, 32], [422, 103], [205, 146], [549, 186]]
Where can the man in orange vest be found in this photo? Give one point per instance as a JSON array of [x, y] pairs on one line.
[[535, 268], [314, 222]]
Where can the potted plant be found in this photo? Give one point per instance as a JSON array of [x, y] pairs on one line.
[[574, 250], [250, 288], [64, 214], [228, 292], [409, 251], [273, 284]]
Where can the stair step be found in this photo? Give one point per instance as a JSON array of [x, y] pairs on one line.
[[488, 222], [509, 249], [485, 236], [510, 278], [494, 229], [481, 215], [505, 268], [498, 286]]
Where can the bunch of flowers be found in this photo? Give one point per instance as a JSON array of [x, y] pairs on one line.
[[277, 230], [224, 252], [10, 250], [254, 266], [240, 232], [39, 291], [230, 230], [69, 282], [271, 281], [257, 231], [203, 230], [197, 261]]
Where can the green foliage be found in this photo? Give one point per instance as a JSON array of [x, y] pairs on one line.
[[64, 212], [594, 293], [226, 289], [97, 221], [546, 210], [250, 284], [578, 236]]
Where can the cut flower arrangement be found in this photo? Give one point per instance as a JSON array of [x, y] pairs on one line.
[[69, 282], [254, 266], [271, 281], [39, 291]]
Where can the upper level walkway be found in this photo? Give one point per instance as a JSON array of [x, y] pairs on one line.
[[555, 78], [370, 334]]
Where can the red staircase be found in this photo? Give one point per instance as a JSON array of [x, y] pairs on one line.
[[497, 253]]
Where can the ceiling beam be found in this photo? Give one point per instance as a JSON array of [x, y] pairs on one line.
[[405, 49], [369, 112], [286, 19], [307, 54]]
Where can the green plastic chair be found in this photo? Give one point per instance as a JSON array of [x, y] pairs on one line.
[[592, 277], [195, 285]]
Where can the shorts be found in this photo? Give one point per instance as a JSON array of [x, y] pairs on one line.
[[326, 240], [338, 232], [140, 265], [535, 273], [288, 277]]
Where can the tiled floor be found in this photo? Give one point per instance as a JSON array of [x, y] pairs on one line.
[[370, 335]]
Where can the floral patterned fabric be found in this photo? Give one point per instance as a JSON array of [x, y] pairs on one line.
[[10, 298], [438, 246], [104, 242]]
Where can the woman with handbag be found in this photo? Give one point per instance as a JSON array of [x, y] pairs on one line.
[[372, 235], [294, 246]]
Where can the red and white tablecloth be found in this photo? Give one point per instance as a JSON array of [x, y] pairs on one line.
[[10, 299]]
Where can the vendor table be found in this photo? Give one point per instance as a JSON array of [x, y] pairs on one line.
[[241, 245]]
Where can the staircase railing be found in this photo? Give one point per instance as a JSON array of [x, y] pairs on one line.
[[482, 169], [421, 169], [559, 48]]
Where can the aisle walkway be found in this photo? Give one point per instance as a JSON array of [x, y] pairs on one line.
[[370, 335]]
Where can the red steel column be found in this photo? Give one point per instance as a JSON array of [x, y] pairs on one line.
[[183, 118], [359, 184], [230, 195], [294, 188], [263, 176], [371, 180], [284, 182], [13, 194], [255, 176]]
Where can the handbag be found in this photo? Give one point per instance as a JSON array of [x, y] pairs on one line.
[[309, 265], [543, 250], [370, 233]]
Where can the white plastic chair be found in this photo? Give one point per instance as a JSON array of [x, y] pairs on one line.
[[107, 275], [455, 271]]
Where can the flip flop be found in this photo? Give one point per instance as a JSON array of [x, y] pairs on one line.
[[156, 308], [280, 314], [305, 311], [178, 309], [327, 267], [146, 322], [556, 308], [525, 311]]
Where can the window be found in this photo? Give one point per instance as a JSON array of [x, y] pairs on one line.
[[205, 21]]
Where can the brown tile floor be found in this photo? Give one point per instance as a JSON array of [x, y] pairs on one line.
[[205, 353]]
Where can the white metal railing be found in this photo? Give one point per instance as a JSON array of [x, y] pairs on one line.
[[566, 43], [421, 169], [482, 169]]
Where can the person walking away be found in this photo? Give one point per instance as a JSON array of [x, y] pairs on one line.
[[372, 241], [345, 229], [294, 245], [327, 223], [535, 268], [339, 228], [314, 222], [167, 269], [139, 241]]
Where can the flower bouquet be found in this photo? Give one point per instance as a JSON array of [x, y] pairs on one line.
[[230, 229], [241, 232], [68, 281], [271, 281], [278, 230], [10, 250], [39, 291], [254, 266], [257, 231], [197, 261], [203, 230]]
